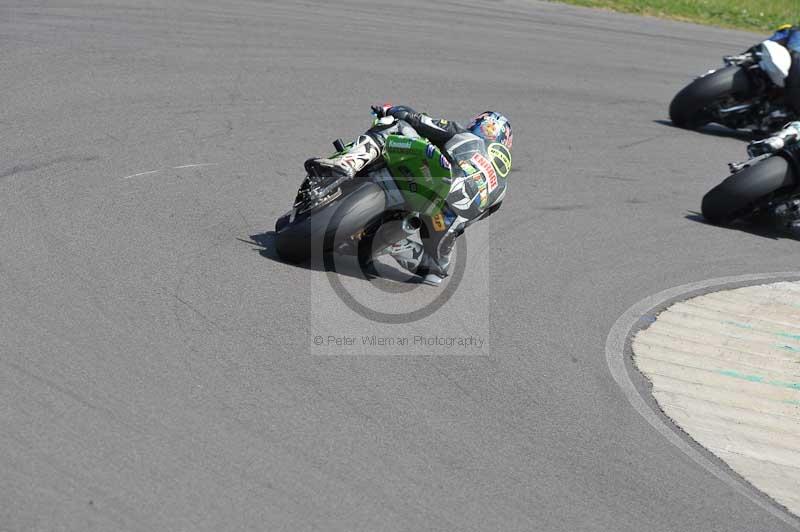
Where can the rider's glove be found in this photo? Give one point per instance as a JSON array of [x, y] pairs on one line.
[[760, 147], [381, 111]]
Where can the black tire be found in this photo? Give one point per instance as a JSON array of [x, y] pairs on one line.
[[743, 192], [689, 108], [318, 232]]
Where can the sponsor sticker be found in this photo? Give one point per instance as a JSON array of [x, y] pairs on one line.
[[399, 144], [488, 170], [429, 151], [482, 198], [426, 173], [468, 168], [438, 222], [501, 158], [444, 163]]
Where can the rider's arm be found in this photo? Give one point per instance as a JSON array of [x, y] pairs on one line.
[[438, 131]]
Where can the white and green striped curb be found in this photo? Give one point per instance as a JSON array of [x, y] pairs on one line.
[[725, 368], [631, 382]]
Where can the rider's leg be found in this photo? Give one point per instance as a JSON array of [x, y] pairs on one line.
[[366, 149], [435, 262], [431, 259], [363, 151]]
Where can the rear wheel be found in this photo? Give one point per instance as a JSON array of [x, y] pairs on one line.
[[691, 107], [745, 191], [324, 230]]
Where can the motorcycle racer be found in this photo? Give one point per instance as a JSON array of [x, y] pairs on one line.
[[785, 73], [471, 197], [765, 184]]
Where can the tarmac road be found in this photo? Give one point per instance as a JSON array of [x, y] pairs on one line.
[[155, 370]]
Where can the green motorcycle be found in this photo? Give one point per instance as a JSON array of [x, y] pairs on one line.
[[385, 202]]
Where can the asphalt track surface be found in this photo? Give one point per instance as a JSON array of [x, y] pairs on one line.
[[155, 370]]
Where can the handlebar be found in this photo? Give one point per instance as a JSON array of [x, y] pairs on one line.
[[747, 58]]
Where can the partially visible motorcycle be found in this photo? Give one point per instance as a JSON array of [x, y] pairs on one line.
[[384, 203], [768, 184], [744, 94]]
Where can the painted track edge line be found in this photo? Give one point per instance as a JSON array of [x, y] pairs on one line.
[[616, 358]]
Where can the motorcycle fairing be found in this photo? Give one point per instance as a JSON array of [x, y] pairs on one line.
[[422, 173]]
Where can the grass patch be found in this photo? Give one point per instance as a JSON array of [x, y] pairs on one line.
[[754, 15]]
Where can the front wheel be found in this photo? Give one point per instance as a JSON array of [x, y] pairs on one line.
[[692, 107], [745, 191]]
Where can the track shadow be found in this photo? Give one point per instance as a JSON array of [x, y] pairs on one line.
[[762, 226], [344, 265], [717, 130]]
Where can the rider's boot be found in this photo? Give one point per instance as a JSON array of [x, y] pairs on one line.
[[363, 151], [411, 256], [407, 253], [431, 272], [434, 265]]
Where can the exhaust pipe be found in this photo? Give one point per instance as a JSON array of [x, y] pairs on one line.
[[411, 224], [396, 230]]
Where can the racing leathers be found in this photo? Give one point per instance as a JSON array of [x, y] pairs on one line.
[[475, 190], [789, 37]]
